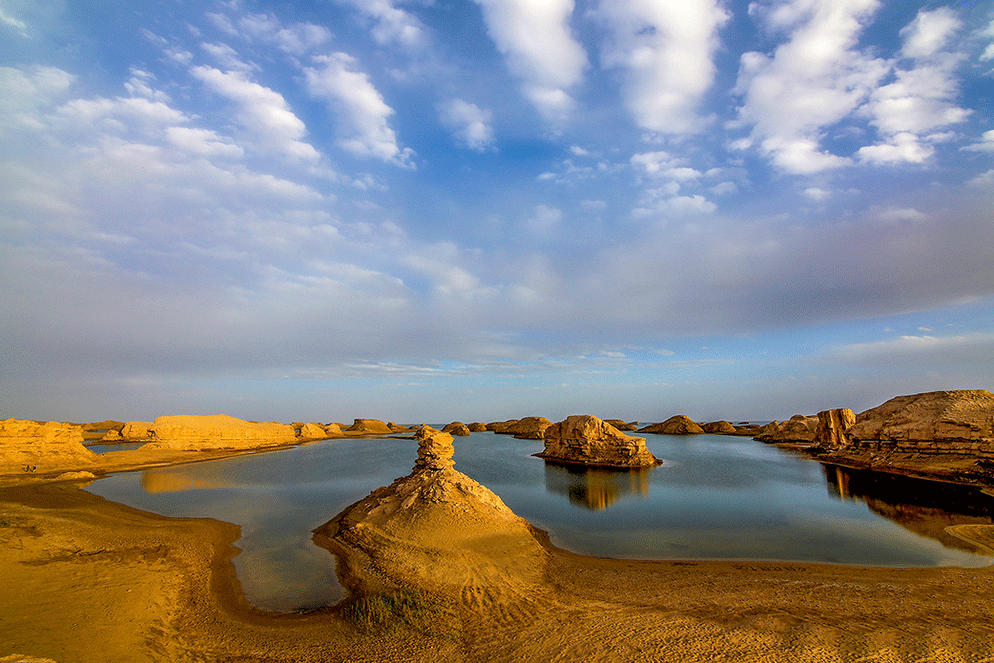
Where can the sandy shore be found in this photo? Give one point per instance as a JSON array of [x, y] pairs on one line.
[[86, 580]]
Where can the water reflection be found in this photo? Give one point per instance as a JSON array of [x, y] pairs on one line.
[[927, 508], [595, 488]]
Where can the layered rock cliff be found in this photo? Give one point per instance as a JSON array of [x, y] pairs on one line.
[[31, 446], [218, 431], [586, 440]]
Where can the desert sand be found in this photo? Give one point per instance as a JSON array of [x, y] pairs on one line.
[[86, 580]]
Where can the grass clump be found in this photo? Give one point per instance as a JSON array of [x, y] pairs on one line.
[[408, 609]]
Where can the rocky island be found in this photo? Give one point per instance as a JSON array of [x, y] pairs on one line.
[[586, 440]]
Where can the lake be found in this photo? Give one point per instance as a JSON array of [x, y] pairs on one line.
[[715, 497]]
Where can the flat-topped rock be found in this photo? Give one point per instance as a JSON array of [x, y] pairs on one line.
[[31, 446], [676, 425], [965, 415], [529, 428], [799, 428], [217, 431], [587, 440]]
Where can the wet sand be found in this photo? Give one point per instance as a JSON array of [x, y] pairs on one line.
[[86, 580]]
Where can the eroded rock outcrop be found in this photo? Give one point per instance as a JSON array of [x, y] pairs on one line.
[[477, 427], [833, 425], [719, 428], [369, 426], [31, 446], [313, 431], [218, 431], [136, 431], [799, 428], [435, 530], [500, 427], [676, 425], [937, 421], [584, 439], [398, 428], [529, 428], [457, 428], [622, 425]]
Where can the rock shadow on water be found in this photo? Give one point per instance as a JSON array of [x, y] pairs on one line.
[[957, 516], [595, 488]]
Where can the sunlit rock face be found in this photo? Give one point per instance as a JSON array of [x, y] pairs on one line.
[[719, 428], [372, 426], [799, 428], [529, 428], [218, 431], [457, 428], [584, 439], [679, 424], [136, 431], [832, 428], [960, 421], [435, 529], [30, 446], [313, 431]]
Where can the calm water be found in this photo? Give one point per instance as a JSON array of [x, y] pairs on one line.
[[715, 497]]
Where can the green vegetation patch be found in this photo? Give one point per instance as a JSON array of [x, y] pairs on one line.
[[407, 609]]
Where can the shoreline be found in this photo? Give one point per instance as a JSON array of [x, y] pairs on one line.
[[75, 558]]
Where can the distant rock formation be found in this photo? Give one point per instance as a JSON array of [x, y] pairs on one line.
[[586, 440], [676, 425], [477, 427], [621, 425], [107, 425], [529, 428], [218, 431], [961, 420], [370, 426], [313, 431], [799, 428], [719, 428], [500, 427], [435, 530], [832, 428], [113, 436], [136, 431], [398, 428], [31, 446], [457, 428]]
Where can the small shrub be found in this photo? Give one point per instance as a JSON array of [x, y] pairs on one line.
[[385, 613]]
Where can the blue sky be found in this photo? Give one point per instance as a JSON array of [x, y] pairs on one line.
[[430, 210]]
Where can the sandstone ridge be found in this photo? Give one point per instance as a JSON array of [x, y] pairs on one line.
[[218, 431], [31, 446]]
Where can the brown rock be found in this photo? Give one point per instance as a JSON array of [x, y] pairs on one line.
[[799, 428], [372, 426], [622, 425], [676, 425], [398, 428], [218, 431], [30, 446], [501, 427], [477, 427], [457, 428], [587, 440], [112, 436], [333, 430], [952, 416], [107, 425], [719, 428], [529, 428], [313, 432], [136, 431], [832, 428]]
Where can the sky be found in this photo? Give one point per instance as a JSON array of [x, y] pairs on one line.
[[431, 210]]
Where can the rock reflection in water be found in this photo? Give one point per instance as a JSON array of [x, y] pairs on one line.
[[927, 508], [595, 488]]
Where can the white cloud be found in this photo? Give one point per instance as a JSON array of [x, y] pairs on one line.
[[391, 24], [894, 214], [19, 26], [986, 143], [536, 40], [362, 113], [544, 219], [814, 80], [204, 142], [469, 124], [227, 57], [817, 194], [297, 39], [919, 350], [263, 112], [666, 50], [921, 98]]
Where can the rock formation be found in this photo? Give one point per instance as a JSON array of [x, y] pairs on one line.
[[937, 421], [333, 430], [676, 425], [456, 428], [832, 428], [30, 446], [398, 428], [136, 431], [107, 425], [586, 440], [621, 425], [313, 431], [477, 427], [369, 426], [435, 530], [219, 431], [529, 428], [113, 436], [719, 428], [500, 427], [799, 428]]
